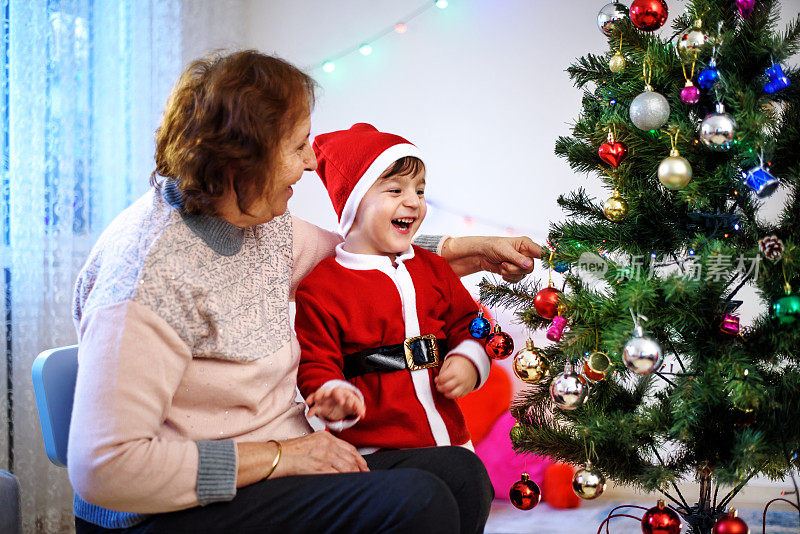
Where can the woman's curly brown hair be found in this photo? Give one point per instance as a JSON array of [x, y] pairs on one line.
[[227, 114]]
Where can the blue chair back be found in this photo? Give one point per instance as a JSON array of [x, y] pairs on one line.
[[54, 372], [10, 511]]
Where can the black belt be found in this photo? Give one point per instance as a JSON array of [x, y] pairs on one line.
[[421, 352]]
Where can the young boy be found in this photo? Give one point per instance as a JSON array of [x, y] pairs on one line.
[[383, 325]]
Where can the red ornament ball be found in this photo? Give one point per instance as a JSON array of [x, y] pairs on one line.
[[648, 15], [661, 520], [546, 302], [730, 524], [524, 493], [499, 345]]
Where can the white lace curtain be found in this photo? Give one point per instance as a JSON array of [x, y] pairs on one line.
[[82, 86]]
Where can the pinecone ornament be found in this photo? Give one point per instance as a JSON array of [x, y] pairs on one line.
[[771, 247]]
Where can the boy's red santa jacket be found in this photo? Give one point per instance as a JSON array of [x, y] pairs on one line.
[[355, 302]]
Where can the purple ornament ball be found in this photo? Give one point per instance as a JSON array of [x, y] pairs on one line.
[[690, 95]]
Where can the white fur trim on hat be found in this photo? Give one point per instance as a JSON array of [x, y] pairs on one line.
[[381, 163]]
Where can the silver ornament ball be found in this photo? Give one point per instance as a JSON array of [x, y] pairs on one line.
[[717, 129], [675, 171], [608, 15], [649, 110], [588, 482], [641, 354], [691, 41], [568, 389]]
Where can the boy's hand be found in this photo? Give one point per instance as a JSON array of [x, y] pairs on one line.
[[335, 404], [457, 377]]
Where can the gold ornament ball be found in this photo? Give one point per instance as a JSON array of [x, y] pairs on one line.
[[615, 208], [675, 171], [516, 433], [588, 483], [530, 365], [617, 63]]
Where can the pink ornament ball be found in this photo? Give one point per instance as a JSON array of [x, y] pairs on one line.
[[745, 7], [690, 95]]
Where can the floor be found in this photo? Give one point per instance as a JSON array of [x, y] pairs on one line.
[[586, 519]]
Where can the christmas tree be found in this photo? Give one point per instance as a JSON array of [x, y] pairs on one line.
[[651, 380]]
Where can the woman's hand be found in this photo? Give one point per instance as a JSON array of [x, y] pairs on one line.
[[510, 257], [320, 452], [314, 454]]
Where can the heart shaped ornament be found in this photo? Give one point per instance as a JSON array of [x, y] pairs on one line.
[[612, 152]]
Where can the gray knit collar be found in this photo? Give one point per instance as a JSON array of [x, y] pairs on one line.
[[223, 237]]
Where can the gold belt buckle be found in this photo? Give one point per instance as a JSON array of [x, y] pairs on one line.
[[424, 347]]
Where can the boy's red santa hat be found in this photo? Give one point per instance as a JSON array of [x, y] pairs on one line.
[[349, 162]]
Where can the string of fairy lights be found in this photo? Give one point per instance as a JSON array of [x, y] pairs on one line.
[[365, 48], [470, 220]]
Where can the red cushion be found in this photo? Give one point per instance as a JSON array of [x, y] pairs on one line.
[[484, 406], [557, 487]]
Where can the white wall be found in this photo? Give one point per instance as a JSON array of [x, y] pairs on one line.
[[478, 86]]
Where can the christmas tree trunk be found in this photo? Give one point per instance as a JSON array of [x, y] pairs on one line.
[[690, 134]]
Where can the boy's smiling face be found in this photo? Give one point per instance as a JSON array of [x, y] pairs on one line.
[[388, 216]]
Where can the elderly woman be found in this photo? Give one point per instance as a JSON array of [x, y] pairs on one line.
[[185, 417]]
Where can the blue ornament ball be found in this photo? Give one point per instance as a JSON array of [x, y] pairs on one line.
[[708, 76], [480, 327]]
